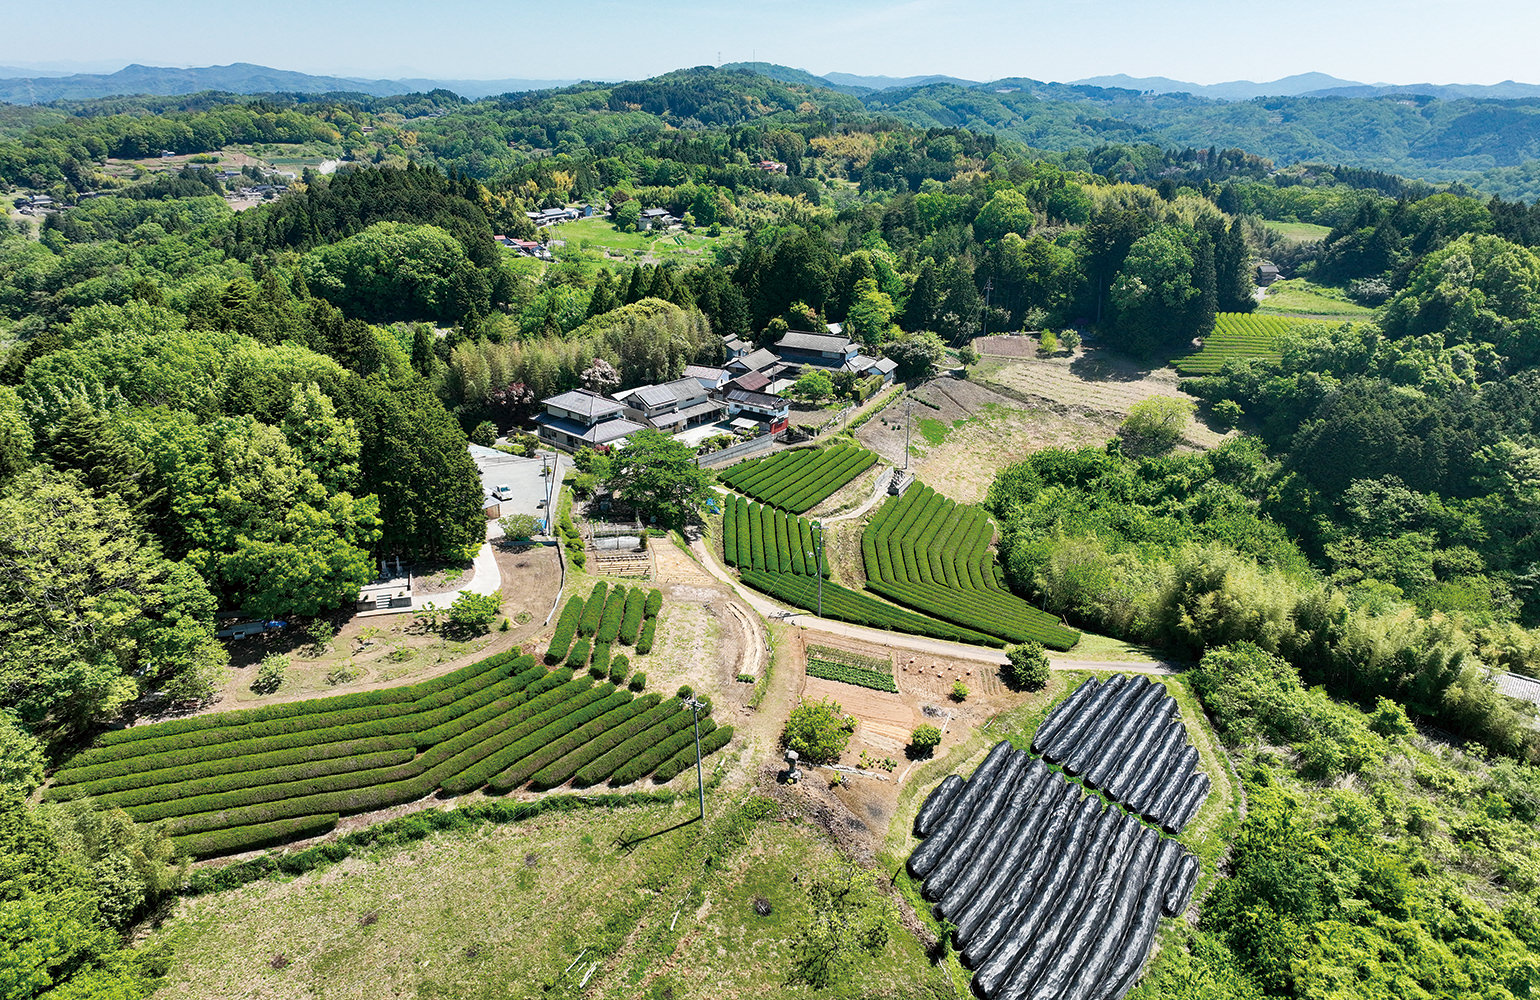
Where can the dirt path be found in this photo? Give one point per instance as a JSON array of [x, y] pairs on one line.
[[898, 640]]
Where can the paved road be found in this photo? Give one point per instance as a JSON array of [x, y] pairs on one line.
[[485, 578], [879, 494], [898, 640]]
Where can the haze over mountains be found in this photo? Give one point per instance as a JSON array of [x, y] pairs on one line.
[[38, 86]]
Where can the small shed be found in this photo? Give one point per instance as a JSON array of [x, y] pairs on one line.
[[1267, 274]]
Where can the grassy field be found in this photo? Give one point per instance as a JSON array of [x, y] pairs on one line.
[[1298, 297], [597, 234], [1300, 232], [502, 911]]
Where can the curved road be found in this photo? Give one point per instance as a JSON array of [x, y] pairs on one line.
[[898, 640]]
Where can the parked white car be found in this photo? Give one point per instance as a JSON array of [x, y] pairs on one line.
[[504, 492]]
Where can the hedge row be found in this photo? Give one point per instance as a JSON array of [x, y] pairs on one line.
[[665, 724], [933, 554], [361, 699], [159, 754], [599, 666], [631, 621], [494, 719], [643, 763], [776, 542], [245, 838], [614, 612], [646, 712], [323, 768], [441, 692], [577, 657], [800, 479], [712, 739], [620, 666], [649, 633], [557, 740], [524, 739], [375, 790], [638, 681], [593, 610], [529, 683], [857, 608], [197, 769], [403, 830], [566, 627], [654, 603]]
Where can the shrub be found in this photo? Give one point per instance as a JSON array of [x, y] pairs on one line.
[[1026, 668], [649, 633], [925, 739], [593, 611], [959, 691], [270, 674], [472, 614], [566, 626], [631, 620], [245, 838], [654, 602], [818, 731], [647, 713], [668, 719], [684, 691], [578, 655], [643, 763], [614, 609], [341, 674], [599, 666], [620, 666], [638, 681], [321, 634]]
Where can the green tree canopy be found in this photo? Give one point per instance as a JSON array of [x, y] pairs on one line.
[[394, 270], [658, 475], [817, 730]]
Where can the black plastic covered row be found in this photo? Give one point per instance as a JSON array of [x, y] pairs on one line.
[[1053, 895]]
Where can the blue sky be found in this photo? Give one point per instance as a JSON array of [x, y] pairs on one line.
[[1204, 41]]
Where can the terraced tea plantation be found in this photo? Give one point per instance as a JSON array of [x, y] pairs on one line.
[[764, 538], [800, 479], [234, 781], [933, 554], [845, 605], [1050, 892], [1237, 337]]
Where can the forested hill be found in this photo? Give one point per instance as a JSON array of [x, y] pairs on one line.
[[1491, 145]]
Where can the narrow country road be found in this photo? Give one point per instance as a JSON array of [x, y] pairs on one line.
[[898, 640], [879, 493]]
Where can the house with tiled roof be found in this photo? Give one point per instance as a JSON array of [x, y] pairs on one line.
[[584, 419], [671, 407]]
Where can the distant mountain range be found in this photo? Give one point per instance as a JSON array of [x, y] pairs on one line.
[[237, 78], [21, 86]]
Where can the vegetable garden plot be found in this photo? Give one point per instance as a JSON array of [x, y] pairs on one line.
[[1123, 736], [1053, 895], [800, 479], [932, 554], [236, 780]]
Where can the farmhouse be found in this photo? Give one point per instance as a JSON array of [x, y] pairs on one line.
[[673, 406], [736, 347], [761, 360], [711, 378], [818, 349], [761, 407], [578, 419], [1267, 274]]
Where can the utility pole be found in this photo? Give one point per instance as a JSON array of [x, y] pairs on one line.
[[818, 561], [989, 286], [908, 427], [695, 705]]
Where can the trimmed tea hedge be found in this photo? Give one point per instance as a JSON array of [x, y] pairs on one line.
[[857, 608], [264, 777], [654, 602], [799, 479], [593, 610], [932, 554], [566, 627], [620, 666], [780, 538], [614, 611], [643, 763], [605, 765], [712, 739], [648, 713], [246, 838], [649, 633], [631, 621], [599, 666], [577, 657]]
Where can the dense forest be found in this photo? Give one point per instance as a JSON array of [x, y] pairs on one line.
[[203, 410]]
